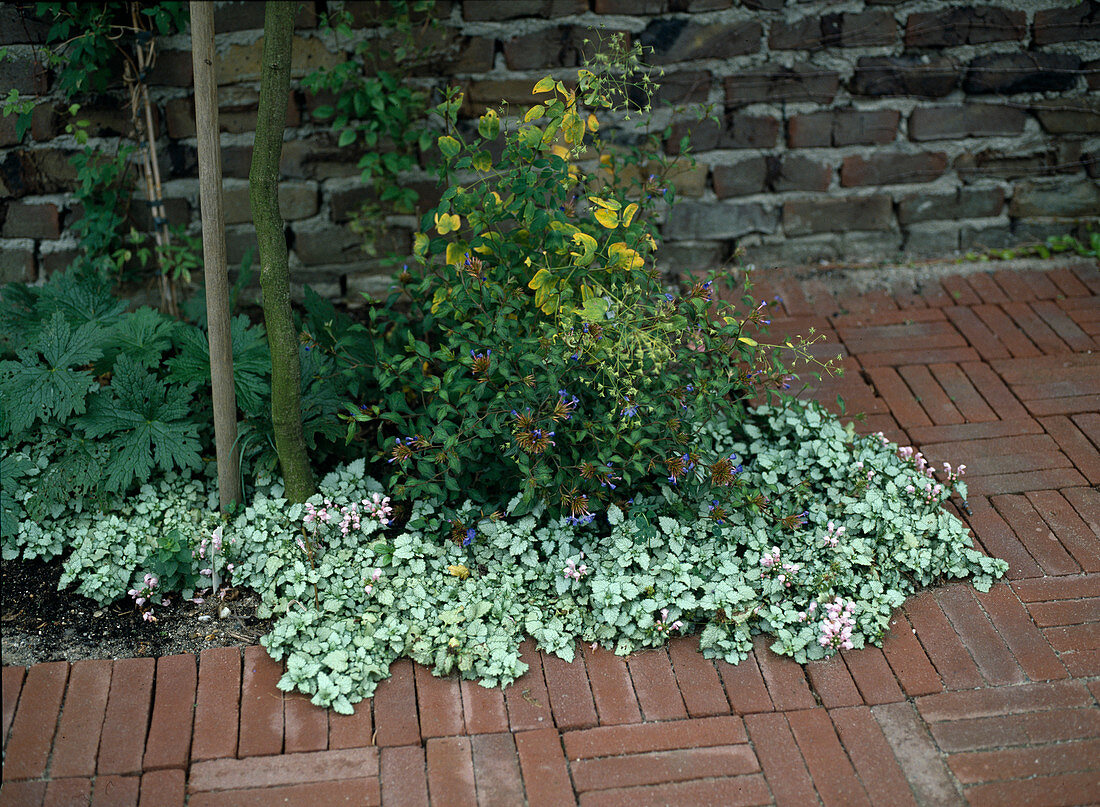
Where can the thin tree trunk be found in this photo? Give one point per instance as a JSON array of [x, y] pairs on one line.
[[263, 189], [213, 250]]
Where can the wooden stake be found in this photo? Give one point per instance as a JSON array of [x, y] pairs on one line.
[[213, 250]]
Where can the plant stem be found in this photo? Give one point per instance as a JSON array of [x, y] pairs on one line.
[[263, 185]]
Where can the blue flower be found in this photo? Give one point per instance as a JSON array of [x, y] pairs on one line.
[[471, 533], [669, 297]]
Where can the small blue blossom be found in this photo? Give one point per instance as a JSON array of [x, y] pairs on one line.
[[471, 533]]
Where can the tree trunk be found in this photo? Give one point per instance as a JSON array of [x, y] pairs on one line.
[[213, 250], [263, 189]]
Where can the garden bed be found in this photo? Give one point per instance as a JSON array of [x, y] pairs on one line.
[[39, 624]]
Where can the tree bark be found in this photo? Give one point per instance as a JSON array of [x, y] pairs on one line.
[[214, 263], [263, 188]]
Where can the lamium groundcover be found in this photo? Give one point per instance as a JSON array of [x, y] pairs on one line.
[[533, 436]]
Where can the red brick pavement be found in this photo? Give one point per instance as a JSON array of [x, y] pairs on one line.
[[986, 699]]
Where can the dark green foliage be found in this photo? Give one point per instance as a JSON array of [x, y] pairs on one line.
[[13, 468], [90, 35], [144, 422], [104, 399], [251, 363], [145, 336], [376, 110], [351, 345], [81, 393], [45, 383], [173, 564]]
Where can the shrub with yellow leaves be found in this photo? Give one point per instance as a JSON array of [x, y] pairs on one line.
[[543, 361]]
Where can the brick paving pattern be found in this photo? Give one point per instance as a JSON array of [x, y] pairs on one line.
[[980, 699]]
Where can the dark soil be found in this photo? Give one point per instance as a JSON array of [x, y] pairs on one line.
[[38, 623]]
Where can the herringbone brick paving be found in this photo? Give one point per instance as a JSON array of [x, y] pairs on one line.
[[980, 699]]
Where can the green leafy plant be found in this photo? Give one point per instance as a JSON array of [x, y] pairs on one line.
[[351, 591], [376, 108], [1054, 245], [81, 397], [83, 45], [542, 353], [86, 37], [16, 104]]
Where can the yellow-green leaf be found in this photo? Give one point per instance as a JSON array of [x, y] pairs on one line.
[[456, 252], [572, 128], [607, 204], [593, 123], [541, 277], [482, 161], [488, 125], [545, 85], [459, 571], [449, 146], [747, 341], [420, 244], [623, 256], [594, 309], [608, 218], [447, 223], [629, 213], [588, 249], [534, 113], [551, 132]]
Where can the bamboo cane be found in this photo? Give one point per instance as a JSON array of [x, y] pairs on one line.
[[139, 95]]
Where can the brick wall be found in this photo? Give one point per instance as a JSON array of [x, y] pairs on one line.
[[867, 129]]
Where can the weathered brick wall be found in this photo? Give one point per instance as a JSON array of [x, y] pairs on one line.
[[851, 130]]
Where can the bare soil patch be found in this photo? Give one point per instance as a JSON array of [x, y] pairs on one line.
[[38, 623]]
